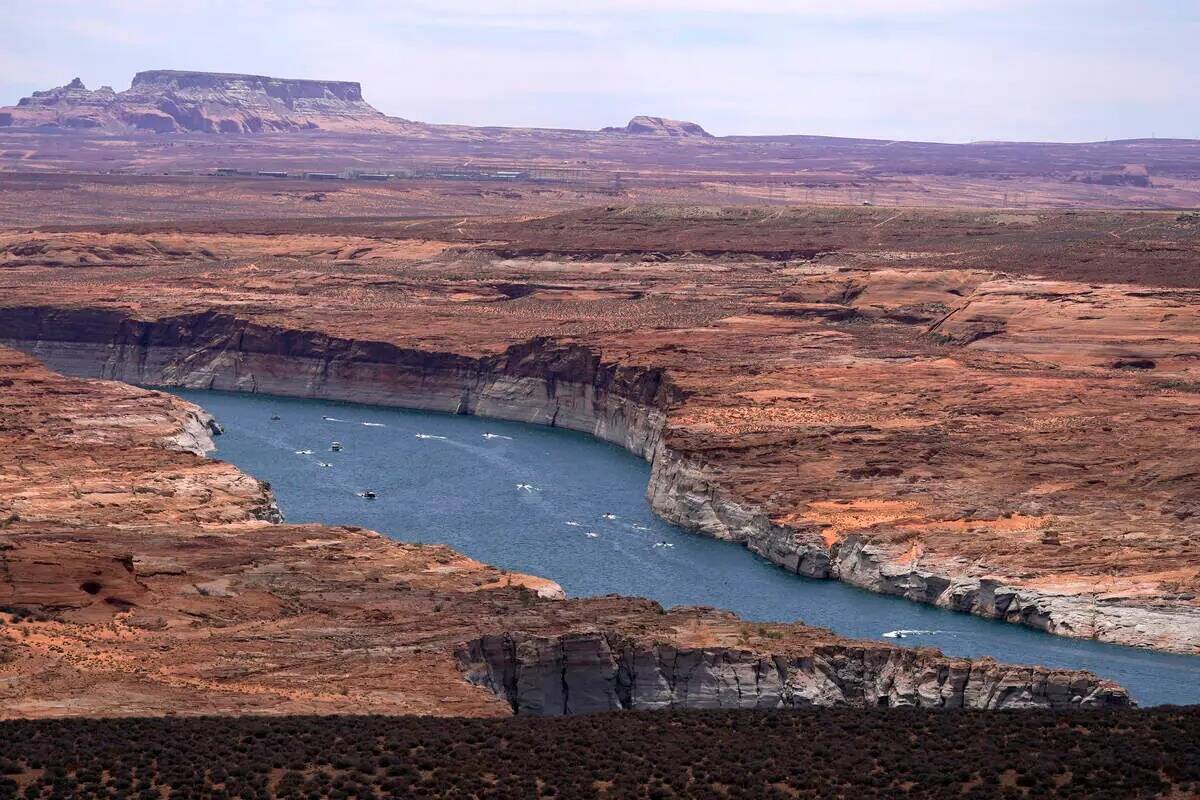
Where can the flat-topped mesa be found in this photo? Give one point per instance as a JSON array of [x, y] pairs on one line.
[[291, 91], [661, 126], [174, 101]]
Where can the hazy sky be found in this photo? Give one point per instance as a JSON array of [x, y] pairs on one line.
[[950, 70]]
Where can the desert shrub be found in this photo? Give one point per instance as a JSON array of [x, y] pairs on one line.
[[699, 754]]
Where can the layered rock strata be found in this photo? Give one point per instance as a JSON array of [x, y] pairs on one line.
[[595, 671], [174, 101], [661, 126]]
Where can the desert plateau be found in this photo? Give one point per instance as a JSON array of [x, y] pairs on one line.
[[341, 450]]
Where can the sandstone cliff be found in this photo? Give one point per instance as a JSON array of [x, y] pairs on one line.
[[598, 671], [661, 126]]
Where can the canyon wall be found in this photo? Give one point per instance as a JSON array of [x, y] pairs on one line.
[[683, 490], [538, 382], [549, 383], [593, 671]]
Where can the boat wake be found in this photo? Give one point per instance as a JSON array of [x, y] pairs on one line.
[[428, 436], [373, 425], [904, 633], [496, 436], [332, 419]]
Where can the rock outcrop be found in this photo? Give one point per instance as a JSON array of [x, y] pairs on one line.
[[85, 108], [172, 101], [593, 671], [661, 126]]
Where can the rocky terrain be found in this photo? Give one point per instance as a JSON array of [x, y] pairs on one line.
[[993, 413], [138, 577], [660, 126], [171, 101], [174, 126]]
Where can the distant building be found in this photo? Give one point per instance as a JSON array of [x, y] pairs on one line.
[[271, 173], [373, 176], [322, 176]]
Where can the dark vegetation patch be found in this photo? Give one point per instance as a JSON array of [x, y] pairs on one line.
[[823, 753], [19, 614], [1134, 363]]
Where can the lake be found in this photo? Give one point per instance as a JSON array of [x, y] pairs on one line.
[[565, 506]]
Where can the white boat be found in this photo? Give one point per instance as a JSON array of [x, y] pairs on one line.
[[904, 633]]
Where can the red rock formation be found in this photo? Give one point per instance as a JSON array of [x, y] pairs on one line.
[[661, 126]]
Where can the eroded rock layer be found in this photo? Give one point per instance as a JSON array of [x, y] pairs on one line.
[[595, 671], [173, 101]]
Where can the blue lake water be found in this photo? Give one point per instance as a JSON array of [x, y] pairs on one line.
[[567, 507]]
